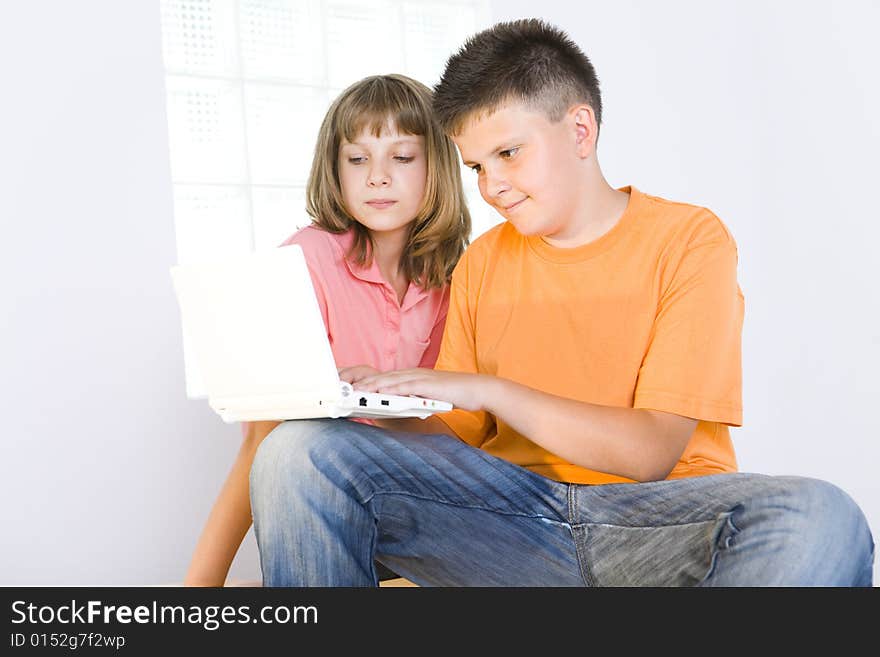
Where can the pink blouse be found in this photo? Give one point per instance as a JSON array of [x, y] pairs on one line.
[[365, 322]]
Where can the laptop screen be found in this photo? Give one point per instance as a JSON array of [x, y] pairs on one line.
[[254, 325]]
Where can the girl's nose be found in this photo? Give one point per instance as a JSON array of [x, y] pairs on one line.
[[378, 177]]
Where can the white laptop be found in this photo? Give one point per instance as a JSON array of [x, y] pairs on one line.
[[260, 344]]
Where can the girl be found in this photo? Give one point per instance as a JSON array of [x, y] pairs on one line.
[[389, 222]]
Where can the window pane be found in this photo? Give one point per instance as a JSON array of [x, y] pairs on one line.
[[198, 37], [248, 83], [282, 39], [363, 38], [205, 130], [483, 216], [282, 125], [211, 221], [432, 32], [278, 213]]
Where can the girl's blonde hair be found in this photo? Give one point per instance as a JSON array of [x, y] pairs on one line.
[[442, 226]]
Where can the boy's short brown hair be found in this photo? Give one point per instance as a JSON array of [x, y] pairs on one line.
[[526, 61]]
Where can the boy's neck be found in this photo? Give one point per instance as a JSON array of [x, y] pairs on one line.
[[596, 211]]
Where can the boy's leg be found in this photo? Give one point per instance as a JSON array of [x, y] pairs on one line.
[[328, 495], [722, 530]]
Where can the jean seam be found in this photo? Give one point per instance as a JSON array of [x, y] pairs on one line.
[[464, 506], [676, 524], [586, 576]]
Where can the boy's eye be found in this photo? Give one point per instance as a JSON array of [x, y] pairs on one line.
[[509, 153]]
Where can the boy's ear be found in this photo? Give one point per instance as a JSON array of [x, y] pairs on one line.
[[586, 130]]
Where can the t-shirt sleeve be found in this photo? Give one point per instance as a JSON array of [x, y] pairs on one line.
[[458, 354], [693, 365]]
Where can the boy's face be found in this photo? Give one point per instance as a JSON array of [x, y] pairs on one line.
[[528, 167]]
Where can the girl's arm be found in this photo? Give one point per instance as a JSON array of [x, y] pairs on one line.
[[230, 518]]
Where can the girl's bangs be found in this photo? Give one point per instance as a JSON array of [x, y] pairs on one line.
[[378, 107]]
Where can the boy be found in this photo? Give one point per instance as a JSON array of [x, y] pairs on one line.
[[592, 352]]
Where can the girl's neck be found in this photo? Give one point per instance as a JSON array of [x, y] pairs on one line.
[[387, 252]]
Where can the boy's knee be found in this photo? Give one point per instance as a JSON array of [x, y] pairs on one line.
[[831, 517], [827, 503], [300, 450]]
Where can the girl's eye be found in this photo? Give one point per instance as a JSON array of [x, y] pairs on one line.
[[405, 159], [357, 159], [509, 153], [476, 168]]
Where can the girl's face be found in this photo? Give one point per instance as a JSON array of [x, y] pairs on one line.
[[383, 178]]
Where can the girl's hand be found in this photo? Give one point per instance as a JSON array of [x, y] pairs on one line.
[[466, 391], [356, 373]]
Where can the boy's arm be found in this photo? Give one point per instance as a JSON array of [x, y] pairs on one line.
[[230, 517], [354, 375], [691, 370], [639, 444]]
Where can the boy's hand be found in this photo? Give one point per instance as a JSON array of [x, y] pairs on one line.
[[466, 391], [356, 373]]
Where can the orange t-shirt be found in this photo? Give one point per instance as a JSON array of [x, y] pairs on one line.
[[649, 315]]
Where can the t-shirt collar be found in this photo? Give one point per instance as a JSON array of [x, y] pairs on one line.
[[584, 252]]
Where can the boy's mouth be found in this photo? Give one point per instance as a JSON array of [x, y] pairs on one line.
[[514, 205]]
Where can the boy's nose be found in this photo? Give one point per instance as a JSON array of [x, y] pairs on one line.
[[496, 186]]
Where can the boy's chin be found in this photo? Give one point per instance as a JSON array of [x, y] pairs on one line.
[[528, 228]]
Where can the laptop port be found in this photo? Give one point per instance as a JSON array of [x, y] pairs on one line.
[[362, 401], [385, 402]]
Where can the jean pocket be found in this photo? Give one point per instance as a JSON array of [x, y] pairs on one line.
[[677, 555]]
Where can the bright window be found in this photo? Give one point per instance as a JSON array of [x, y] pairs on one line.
[[248, 82]]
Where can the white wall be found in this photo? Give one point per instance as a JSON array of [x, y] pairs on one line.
[[764, 112], [106, 470], [767, 113]]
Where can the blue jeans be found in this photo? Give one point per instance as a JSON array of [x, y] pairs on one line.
[[329, 496]]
